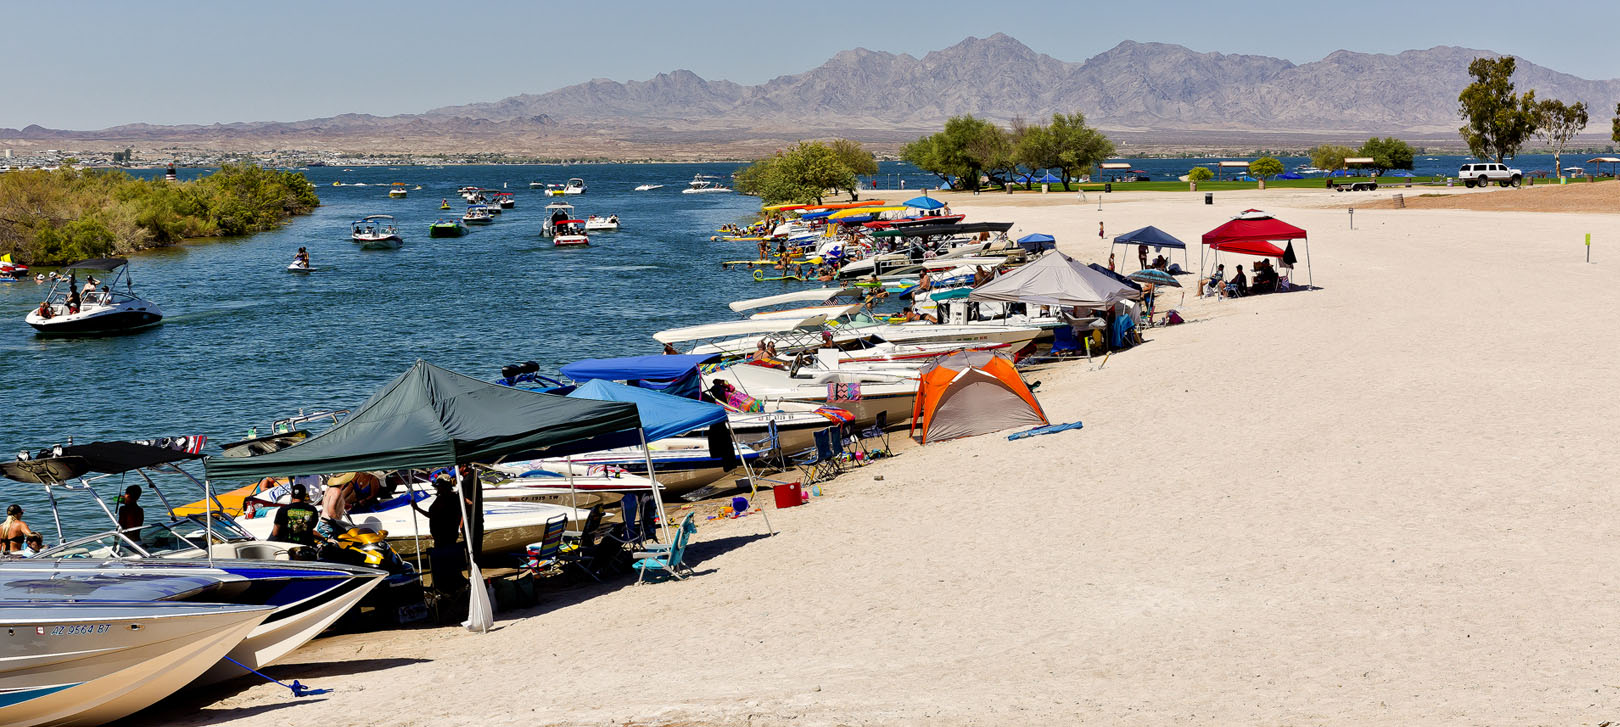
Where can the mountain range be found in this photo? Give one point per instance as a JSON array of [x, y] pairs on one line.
[[1138, 90]]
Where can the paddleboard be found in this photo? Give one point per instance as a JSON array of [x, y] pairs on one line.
[[759, 275]]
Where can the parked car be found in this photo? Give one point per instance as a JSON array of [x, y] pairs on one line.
[[1483, 173]]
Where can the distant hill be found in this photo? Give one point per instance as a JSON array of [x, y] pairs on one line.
[[1140, 90]]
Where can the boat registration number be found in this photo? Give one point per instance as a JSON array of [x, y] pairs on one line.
[[79, 629]]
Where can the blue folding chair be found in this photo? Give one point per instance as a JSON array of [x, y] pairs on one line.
[[823, 462], [667, 562]]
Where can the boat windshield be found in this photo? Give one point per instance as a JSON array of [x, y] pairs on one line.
[[184, 536]]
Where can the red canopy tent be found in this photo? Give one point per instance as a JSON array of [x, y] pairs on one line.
[[1254, 233]]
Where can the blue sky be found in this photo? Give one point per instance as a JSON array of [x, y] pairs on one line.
[[86, 65]]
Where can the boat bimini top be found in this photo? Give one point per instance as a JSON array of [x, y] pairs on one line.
[[819, 295], [731, 329]]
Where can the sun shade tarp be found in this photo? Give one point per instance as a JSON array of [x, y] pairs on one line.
[[1055, 279], [662, 415], [959, 229], [432, 417], [1150, 235], [636, 368]]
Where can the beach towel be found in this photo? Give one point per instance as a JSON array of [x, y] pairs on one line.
[[844, 392], [1048, 429], [835, 414], [742, 402]]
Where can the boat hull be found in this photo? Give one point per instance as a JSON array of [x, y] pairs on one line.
[[291, 626], [66, 669], [97, 323]]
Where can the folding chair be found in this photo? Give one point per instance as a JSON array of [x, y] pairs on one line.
[[546, 556], [668, 561], [878, 430], [823, 462]]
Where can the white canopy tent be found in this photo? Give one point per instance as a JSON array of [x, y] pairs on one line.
[[1055, 279]]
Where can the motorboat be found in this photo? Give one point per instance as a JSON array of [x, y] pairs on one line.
[[680, 464], [11, 269], [477, 215], [537, 185], [863, 393], [648, 187], [397, 191], [569, 233], [555, 212], [374, 229], [306, 597], [89, 662], [505, 200], [574, 186], [447, 228], [554, 190], [602, 224], [705, 184], [103, 311]]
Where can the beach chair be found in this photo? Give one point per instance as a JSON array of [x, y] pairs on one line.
[[823, 462], [546, 557], [585, 536], [878, 430], [666, 561], [1064, 342]]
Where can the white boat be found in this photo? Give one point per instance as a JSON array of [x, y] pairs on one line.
[[508, 525], [103, 311], [680, 464], [878, 391], [569, 233], [537, 185], [705, 184], [374, 228], [477, 215], [88, 662], [601, 224], [397, 191], [574, 186], [648, 187], [555, 212]]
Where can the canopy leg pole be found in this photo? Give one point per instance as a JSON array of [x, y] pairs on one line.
[[208, 519], [416, 530], [1309, 278], [472, 556], [657, 491], [753, 484], [568, 469]]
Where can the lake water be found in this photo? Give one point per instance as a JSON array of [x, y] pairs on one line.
[[244, 342]]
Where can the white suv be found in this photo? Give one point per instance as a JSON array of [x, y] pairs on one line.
[[1484, 173]]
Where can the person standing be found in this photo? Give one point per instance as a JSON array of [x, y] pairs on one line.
[[1099, 229], [445, 556], [295, 522], [14, 532], [1141, 256], [130, 514]]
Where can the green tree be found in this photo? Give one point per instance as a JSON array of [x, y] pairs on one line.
[[1329, 157], [1199, 174], [802, 173], [1387, 153], [926, 154], [1498, 120], [857, 159], [1032, 147], [1266, 167], [1078, 146], [1558, 124]]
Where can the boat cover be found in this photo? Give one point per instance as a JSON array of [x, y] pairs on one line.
[[672, 374], [662, 415], [432, 417]]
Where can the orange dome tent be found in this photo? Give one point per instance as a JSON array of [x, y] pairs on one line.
[[971, 393]]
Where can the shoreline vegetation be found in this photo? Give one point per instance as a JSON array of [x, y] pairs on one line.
[[60, 216]]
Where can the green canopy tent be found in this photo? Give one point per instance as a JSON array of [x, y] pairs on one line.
[[430, 417]]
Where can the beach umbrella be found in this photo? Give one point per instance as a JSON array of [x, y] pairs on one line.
[[1155, 276], [924, 203]]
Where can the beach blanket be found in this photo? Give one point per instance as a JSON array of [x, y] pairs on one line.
[[833, 413], [1048, 429]]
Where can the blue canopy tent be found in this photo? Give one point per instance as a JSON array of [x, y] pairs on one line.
[[1152, 237], [1289, 175], [664, 416], [924, 202], [1037, 242], [671, 374]]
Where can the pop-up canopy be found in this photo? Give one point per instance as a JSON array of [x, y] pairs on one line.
[[1151, 236], [924, 202], [1055, 279], [430, 417], [1254, 233]]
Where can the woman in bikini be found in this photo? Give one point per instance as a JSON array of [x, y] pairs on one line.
[[14, 532]]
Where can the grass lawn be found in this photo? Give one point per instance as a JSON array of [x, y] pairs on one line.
[[1214, 186]]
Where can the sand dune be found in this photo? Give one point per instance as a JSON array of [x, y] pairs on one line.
[[1386, 501]]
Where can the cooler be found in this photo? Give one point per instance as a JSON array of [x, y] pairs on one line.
[[789, 495]]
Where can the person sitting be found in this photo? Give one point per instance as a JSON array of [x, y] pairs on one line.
[[33, 545], [1159, 262], [1238, 285], [759, 352], [1216, 284], [72, 301], [45, 310]]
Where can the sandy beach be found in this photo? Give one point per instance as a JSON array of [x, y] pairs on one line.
[[1378, 502]]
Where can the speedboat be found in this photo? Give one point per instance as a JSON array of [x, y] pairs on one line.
[[505, 200], [306, 597], [555, 212], [648, 187], [87, 662], [574, 186], [477, 215], [103, 311], [601, 224], [569, 233], [705, 184], [537, 185], [447, 228], [865, 392], [397, 191], [680, 464], [373, 230]]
